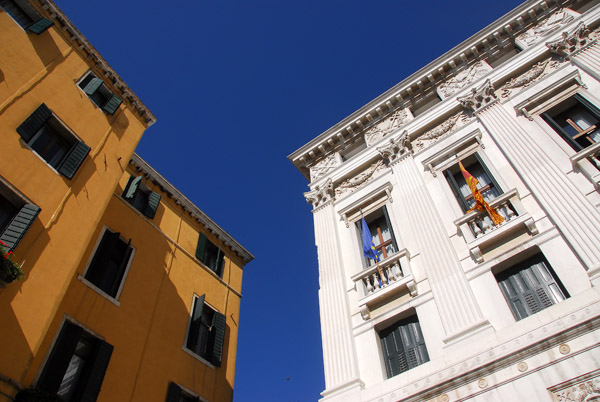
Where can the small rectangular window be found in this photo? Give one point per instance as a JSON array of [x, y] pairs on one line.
[[141, 197], [403, 346], [211, 255], [99, 93], [206, 333], [26, 16], [110, 262]]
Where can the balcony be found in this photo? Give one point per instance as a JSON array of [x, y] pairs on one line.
[[588, 163], [478, 230]]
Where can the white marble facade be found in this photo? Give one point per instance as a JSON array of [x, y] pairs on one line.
[[445, 266]]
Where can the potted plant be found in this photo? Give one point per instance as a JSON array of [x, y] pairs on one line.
[[10, 271]]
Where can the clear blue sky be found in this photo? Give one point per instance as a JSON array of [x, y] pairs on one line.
[[236, 87]]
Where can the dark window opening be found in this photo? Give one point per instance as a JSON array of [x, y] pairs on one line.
[[425, 104], [403, 346], [176, 394], [211, 255], [206, 332], [99, 93], [141, 197], [26, 16]]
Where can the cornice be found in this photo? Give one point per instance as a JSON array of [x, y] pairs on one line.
[[188, 207], [95, 60]]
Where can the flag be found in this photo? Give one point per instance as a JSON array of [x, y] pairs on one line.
[[480, 203], [369, 249]]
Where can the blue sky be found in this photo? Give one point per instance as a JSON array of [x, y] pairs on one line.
[[236, 87]]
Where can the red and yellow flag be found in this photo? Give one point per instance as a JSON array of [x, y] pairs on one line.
[[480, 203]]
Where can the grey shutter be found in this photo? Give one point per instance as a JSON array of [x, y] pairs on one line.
[[389, 223], [19, 225], [173, 393], [40, 26], [456, 190], [192, 341], [34, 122], [92, 86], [153, 201], [112, 104], [201, 247], [414, 344], [59, 359], [132, 187], [73, 160], [403, 346], [393, 350], [97, 371], [219, 328]]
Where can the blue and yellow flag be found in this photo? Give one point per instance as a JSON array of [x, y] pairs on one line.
[[367, 242]]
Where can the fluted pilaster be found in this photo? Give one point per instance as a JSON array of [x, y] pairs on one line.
[[588, 60]]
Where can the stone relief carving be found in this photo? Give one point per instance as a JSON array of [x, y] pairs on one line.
[[323, 167], [464, 78], [554, 23], [396, 149], [588, 390], [380, 130], [450, 125], [321, 194], [536, 72], [354, 183], [571, 41], [479, 97]]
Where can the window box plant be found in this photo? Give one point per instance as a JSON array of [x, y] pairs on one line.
[[10, 271]]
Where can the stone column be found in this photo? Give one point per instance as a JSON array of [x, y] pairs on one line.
[[456, 304], [574, 216], [339, 354], [581, 47]]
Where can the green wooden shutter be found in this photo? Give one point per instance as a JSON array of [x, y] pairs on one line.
[[173, 392], [92, 86], [219, 328], [192, 341], [112, 104], [73, 159], [132, 187], [201, 247], [98, 369], [153, 201], [59, 359], [17, 228], [40, 26], [34, 122]]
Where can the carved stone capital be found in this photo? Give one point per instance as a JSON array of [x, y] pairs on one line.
[[321, 195], [571, 41], [396, 149], [479, 97]]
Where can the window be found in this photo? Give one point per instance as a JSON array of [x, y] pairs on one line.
[[176, 394], [488, 187], [530, 286], [76, 366], [206, 332], [99, 93], [381, 233], [26, 16], [141, 197], [403, 346], [16, 216], [53, 142], [576, 120], [110, 262], [210, 255]]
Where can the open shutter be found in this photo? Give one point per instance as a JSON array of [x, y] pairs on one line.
[[92, 86], [488, 173], [173, 393], [59, 359], [19, 225], [192, 341], [389, 223], [34, 122], [456, 190], [97, 371], [201, 247], [73, 160], [132, 187], [153, 201], [118, 277], [112, 104], [40, 26], [220, 263], [219, 328]]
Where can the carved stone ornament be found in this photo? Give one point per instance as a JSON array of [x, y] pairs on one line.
[[549, 26], [535, 73], [320, 195], [479, 97], [385, 127], [449, 125], [570, 41], [588, 390], [323, 167], [356, 182], [464, 78], [395, 149]]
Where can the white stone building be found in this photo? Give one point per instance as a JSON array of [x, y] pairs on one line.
[[464, 309]]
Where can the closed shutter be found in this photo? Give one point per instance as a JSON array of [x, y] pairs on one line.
[[403, 346], [194, 330], [219, 328], [201, 247], [97, 371], [34, 122], [112, 104], [40, 26], [173, 393], [153, 201], [92, 86], [19, 225], [59, 359], [73, 160], [132, 187]]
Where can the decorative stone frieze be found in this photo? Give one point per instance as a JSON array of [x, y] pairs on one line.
[[324, 166], [387, 126], [396, 149], [464, 78], [549, 26], [535, 73], [354, 183], [587, 389], [321, 195], [450, 125], [571, 41], [479, 97]]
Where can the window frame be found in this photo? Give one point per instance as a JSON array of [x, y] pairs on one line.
[[219, 321], [112, 102]]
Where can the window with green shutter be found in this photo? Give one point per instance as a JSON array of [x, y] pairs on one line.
[[141, 197], [176, 394], [206, 332], [99, 93], [16, 216], [26, 16], [211, 255], [48, 137], [403, 346]]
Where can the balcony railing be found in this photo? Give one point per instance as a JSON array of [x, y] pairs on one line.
[[592, 169]]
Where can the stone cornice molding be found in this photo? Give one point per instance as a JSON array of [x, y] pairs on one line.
[[396, 149], [571, 41], [479, 98], [95, 60], [188, 207], [321, 195]]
